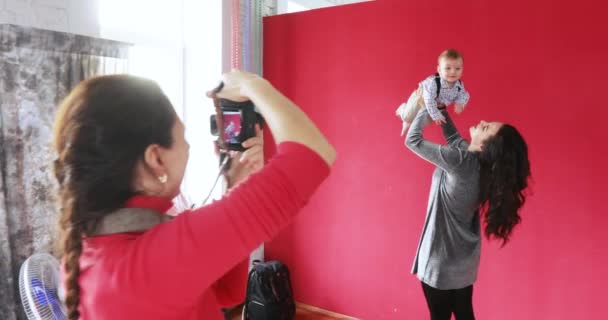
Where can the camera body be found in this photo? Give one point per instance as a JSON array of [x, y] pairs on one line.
[[239, 120]]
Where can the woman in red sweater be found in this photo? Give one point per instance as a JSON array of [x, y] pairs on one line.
[[121, 159]]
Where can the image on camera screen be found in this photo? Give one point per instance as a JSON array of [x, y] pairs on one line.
[[232, 126]]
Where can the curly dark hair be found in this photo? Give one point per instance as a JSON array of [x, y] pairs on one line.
[[504, 174], [101, 130]]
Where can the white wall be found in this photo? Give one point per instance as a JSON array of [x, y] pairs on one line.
[[73, 16], [289, 6]]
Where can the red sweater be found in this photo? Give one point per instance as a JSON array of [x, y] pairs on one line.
[[189, 267]]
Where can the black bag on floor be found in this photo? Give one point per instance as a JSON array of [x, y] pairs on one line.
[[269, 293]]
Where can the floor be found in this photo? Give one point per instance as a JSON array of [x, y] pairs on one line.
[[305, 312]]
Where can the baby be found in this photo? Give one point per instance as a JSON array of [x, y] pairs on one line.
[[437, 91]]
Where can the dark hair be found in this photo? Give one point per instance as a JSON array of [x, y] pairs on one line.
[[101, 130], [451, 54], [504, 174]]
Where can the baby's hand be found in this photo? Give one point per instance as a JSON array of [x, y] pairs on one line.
[[404, 128], [459, 108], [440, 120]]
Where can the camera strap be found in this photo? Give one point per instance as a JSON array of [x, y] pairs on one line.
[[223, 166], [224, 156], [219, 120]]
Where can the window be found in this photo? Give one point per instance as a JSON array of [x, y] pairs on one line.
[[178, 44]]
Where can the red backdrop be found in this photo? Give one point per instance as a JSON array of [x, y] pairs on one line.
[[540, 65]]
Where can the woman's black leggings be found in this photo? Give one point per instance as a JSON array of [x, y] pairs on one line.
[[442, 303]]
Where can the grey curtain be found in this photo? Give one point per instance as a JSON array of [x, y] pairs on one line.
[[38, 68]]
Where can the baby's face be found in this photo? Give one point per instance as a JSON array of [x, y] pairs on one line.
[[450, 69]]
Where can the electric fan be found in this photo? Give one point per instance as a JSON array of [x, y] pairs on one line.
[[39, 285]]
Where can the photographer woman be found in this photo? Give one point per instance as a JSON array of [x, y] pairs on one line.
[[121, 159]]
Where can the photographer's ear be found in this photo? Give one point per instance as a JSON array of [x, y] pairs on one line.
[[151, 173], [153, 160]]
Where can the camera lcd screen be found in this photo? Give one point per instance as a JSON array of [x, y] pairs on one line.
[[232, 126]]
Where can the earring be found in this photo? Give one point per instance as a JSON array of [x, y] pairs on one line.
[[163, 178]]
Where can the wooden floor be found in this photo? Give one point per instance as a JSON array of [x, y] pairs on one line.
[[306, 312]]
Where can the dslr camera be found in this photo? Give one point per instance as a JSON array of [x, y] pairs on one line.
[[233, 122]]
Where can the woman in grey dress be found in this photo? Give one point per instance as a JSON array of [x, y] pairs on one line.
[[484, 178]]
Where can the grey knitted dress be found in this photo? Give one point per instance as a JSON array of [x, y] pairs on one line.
[[449, 248]]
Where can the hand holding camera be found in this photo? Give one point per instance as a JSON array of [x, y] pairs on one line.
[[234, 86], [245, 163], [285, 119], [235, 118]]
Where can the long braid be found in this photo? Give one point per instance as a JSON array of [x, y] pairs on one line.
[[73, 249], [71, 232]]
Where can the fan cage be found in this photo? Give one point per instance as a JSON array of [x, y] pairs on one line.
[[38, 286]]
